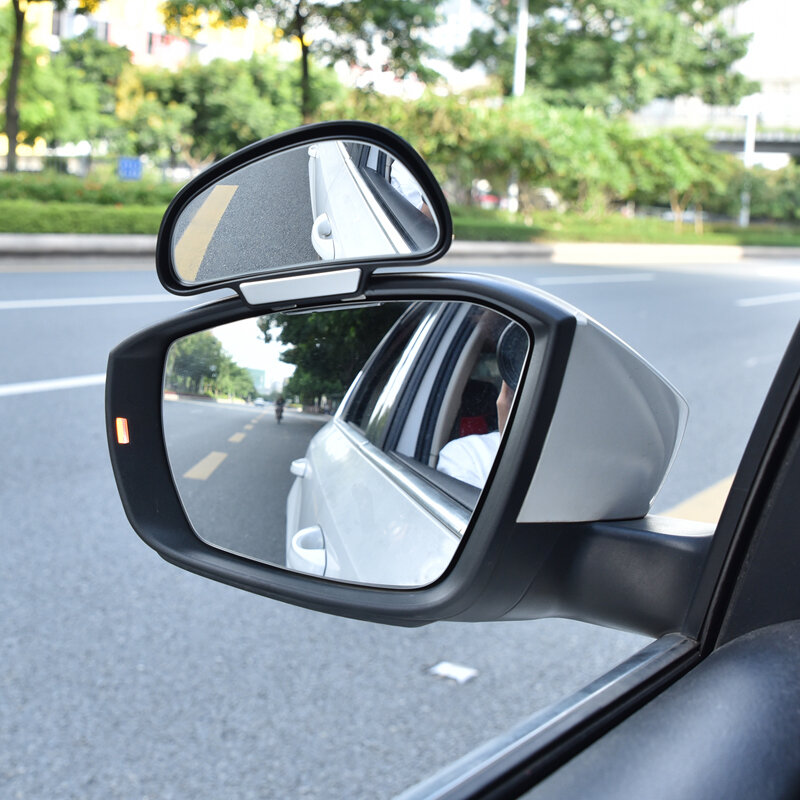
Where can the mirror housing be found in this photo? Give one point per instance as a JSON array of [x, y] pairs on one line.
[[514, 561], [237, 215]]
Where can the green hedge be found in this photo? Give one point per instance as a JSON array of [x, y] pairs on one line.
[[52, 187], [25, 216], [551, 226]]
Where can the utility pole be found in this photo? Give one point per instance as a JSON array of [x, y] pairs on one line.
[[749, 160], [518, 88]]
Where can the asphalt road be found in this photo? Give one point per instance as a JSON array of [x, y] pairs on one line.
[[266, 224], [239, 505], [124, 677]]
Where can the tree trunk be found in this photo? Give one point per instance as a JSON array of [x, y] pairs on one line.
[[698, 219], [305, 80], [677, 211], [12, 111]]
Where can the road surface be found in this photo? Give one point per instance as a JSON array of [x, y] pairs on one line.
[[124, 677]]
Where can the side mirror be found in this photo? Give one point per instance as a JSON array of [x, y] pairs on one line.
[[318, 198], [348, 513]]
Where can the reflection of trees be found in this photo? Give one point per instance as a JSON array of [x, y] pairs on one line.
[[328, 348], [197, 364]]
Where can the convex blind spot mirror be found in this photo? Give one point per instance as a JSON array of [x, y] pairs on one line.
[[349, 443], [330, 200]]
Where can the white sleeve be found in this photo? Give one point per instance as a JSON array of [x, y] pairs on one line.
[[404, 182], [470, 458]]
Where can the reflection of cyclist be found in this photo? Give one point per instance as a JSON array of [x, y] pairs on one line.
[[279, 404], [404, 182], [471, 457]]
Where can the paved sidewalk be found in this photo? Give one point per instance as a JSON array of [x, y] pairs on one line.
[[588, 253]]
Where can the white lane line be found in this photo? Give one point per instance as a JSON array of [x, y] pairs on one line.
[[566, 280], [31, 387], [66, 302], [768, 300]]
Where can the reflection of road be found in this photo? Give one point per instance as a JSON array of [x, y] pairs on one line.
[[266, 222], [231, 465]]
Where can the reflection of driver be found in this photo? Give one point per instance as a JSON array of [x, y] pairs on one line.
[[471, 457]]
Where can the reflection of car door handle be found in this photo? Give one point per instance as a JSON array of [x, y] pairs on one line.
[[322, 237], [307, 553], [300, 467]]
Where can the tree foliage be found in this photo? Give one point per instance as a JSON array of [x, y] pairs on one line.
[[328, 348], [198, 364], [205, 111], [615, 54], [17, 67], [326, 30]]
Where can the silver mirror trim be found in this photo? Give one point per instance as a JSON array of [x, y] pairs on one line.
[[301, 287]]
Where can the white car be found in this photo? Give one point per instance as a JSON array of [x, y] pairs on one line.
[[365, 203], [433, 379]]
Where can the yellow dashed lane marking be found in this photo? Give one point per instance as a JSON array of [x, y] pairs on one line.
[[248, 427], [706, 506], [191, 249], [237, 437], [203, 468]]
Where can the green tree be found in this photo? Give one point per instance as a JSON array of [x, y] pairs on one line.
[[615, 54], [205, 111], [326, 30], [678, 167], [328, 348], [198, 364], [90, 71], [16, 68]]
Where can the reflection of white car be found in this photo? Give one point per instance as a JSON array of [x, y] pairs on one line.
[[433, 378], [364, 203]]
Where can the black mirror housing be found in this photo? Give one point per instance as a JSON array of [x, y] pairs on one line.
[[505, 567]]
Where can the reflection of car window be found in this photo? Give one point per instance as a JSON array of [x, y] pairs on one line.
[[434, 379], [397, 192], [378, 373]]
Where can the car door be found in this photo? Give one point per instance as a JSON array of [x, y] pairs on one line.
[[368, 484]]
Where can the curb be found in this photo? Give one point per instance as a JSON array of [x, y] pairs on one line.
[[70, 244], [588, 253]]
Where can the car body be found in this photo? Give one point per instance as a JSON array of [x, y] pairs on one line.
[[364, 203], [386, 449]]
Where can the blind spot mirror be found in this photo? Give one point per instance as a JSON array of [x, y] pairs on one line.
[[329, 201], [346, 443]]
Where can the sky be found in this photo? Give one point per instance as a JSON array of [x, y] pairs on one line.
[[245, 343]]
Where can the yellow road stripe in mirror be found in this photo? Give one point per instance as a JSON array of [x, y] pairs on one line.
[[237, 437], [191, 249], [203, 468]]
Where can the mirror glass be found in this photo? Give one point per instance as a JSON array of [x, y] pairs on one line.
[[327, 201], [347, 443]]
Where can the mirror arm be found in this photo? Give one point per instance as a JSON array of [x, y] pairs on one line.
[[637, 575]]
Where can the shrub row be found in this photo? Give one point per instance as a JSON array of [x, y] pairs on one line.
[[27, 216], [51, 187]]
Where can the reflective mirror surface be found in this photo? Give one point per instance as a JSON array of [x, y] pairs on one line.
[[328, 201], [351, 443]]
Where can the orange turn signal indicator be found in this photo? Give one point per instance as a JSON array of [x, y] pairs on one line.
[[122, 431]]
